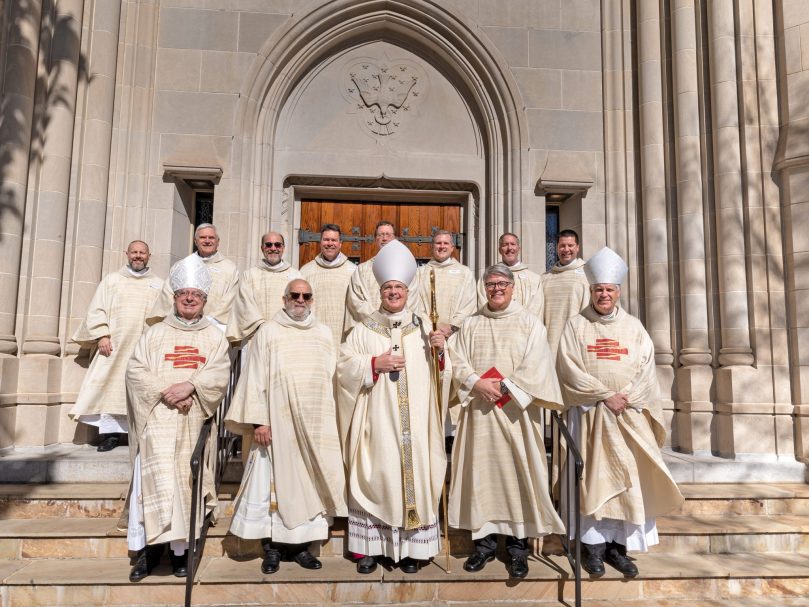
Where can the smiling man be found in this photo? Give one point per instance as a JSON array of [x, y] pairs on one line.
[[224, 280], [113, 325], [504, 375], [565, 287], [329, 274], [362, 297], [293, 484], [261, 289], [176, 379], [393, 435], [527, 284], [607, 374]]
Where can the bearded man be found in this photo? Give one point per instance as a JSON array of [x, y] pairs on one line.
[[115, 321]]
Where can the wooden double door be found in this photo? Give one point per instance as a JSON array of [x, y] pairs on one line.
[[415, 224]]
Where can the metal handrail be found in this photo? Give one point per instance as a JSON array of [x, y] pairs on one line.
[[225, 442], [573, 490]]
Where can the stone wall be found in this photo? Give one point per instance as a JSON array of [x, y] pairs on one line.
[[674, 130]]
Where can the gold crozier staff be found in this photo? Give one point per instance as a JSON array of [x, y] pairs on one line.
[[438, 402]]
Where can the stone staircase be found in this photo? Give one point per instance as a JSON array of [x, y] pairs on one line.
[[729, 545]]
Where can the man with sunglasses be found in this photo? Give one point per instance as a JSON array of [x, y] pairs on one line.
[[503, 371], [293, 484], [329, 274], [224, 280], [261, 289]]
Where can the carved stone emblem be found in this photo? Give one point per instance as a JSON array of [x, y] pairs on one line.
[[384, 94]]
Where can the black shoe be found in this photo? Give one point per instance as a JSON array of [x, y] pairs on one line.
[[519, 566], [366, 564], [179, 564], [109, 443], [409, 565], [477, 561], [307, 560], [272, 561], [616, 556], [141, 568], [592, 559]]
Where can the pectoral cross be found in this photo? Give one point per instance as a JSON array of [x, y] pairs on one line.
[[395, 348], [397, 323]]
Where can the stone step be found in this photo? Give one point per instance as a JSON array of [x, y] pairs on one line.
[[729, 579], [744, 498]]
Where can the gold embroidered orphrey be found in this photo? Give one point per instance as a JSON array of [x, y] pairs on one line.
[[412, 520]]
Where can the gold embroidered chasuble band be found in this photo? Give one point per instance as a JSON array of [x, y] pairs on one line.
[[395, 334]]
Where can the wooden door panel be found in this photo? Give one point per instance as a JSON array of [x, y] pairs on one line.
[[357, 221]]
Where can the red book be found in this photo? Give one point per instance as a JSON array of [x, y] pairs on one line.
[[494, 373]]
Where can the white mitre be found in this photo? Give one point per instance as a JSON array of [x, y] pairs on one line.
[[394, 262], [190, 273], [605, 267]]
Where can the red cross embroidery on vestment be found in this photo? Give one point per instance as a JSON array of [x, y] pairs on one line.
[[607, 349], [185, 357]]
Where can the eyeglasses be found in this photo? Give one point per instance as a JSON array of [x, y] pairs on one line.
[[294, 295], [273, 245], [191, 294], [500, 284]]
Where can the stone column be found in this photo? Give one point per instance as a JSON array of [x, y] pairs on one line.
[[49, 216], [695, 410], [16, 120], [653, 182], [792, 163], [94, 158]]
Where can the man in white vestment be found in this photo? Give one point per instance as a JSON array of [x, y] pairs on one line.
[[224, 280], [362, 297], [606, 369], [392, 431], [115, 321], [527, 284], [261, 289], [176, 379], [294, 483], [565, 288], [455, 295], [504, 373], [329, 274]]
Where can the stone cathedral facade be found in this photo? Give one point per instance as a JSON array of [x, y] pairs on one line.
[[674, 131]]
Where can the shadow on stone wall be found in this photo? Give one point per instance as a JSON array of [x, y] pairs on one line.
[[24, 122]]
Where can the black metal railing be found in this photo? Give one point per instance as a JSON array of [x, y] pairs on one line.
[[569, 494], [224, 447]]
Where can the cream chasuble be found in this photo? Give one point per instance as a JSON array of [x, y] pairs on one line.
[[598, 357], [527, 290], [171, 352], [260, 294], [455, 294], [566, 293], [288, 386], [499, 468], [118, 310], [362, 297], [225, 282], [329, 282], [393, 438]]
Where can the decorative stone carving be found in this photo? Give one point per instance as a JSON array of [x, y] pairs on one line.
[[384, 93]]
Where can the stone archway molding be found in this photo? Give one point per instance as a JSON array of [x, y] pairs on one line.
[[322, 29]]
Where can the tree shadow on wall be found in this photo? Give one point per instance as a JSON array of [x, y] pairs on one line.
[[36, 62]]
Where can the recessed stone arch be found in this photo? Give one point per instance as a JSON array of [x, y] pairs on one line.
[[444, 40]]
